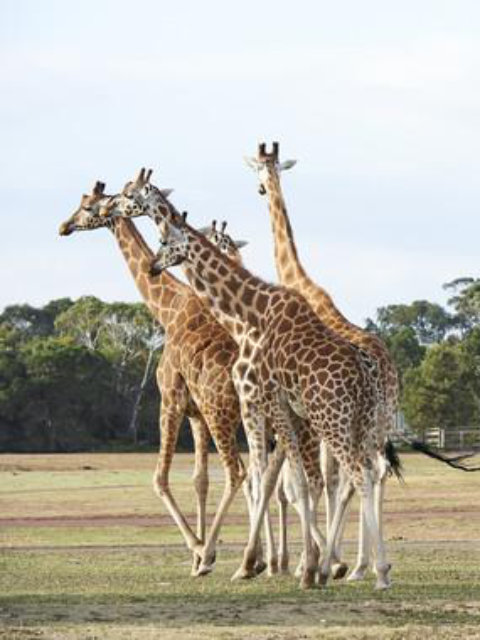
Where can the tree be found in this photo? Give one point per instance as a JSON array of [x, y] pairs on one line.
[[439, 392], [429, 321], [131, 339], [465, 302], [127, 336], [405, 350], [69, 391], [30, 321], [83, 321]]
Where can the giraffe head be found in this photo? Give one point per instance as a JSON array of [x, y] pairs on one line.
[[223, 241], [174, 245], [87, 215], [138, 198], [268, 165]]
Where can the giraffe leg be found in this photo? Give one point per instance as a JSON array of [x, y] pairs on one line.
[[254, 426], [315, 488], [291, 436], [331, 474], [364, 539], [382, 567], [260, 564], [344, 496], [172, 412], [282, 514], [272, 555], [363, 555], [379, 496], [310, 556], [267, 486], [234, 477], [200, 481]]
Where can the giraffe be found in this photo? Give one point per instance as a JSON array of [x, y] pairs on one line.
[[194, 378], [326, 473], [289, 361], [140, 197], [292, 274]]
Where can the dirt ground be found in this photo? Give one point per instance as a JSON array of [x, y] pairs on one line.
[[87, 552]]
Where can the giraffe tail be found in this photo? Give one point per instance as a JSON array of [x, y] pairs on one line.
[[453, 461], [395, 464]]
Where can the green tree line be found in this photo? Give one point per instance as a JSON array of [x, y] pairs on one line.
[[78, 375], [81, 375], [437, 353]]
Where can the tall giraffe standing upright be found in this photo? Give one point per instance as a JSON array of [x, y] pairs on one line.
[[292, 274], [194, 377], [288, 361]]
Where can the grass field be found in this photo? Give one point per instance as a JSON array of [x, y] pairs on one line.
[[87, 551]]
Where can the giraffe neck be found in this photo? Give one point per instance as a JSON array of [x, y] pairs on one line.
[[235, 297], [289, 268], [159, 292]]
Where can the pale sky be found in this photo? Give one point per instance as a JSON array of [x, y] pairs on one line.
[[378, 101]]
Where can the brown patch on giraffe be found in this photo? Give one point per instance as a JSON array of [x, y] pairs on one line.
[[247, 350], [285, 325], [233, 284], [238, 310], [134, 268], [252, 319], [135, 249], [261, 302], [199, 285], [247, 295], [283, 258], [291, 308]]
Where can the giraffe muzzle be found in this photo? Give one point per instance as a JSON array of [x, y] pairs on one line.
[[155, 269], [66, 228]]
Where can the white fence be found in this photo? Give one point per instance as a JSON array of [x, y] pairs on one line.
[[457, 438], [454, 438]]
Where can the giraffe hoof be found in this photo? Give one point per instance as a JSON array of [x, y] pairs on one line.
[[383, 584], [383, 579], [204, 570], [272, 568], [357, 574], [244, 574], [339, 570], [260, 567], [197, 561], [322, 579], [308, 581], [299, 571]]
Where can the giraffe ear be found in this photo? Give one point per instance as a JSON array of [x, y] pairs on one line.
[[166, 192], [240, 243], [288, 164], [204, 230], [253, 163]]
